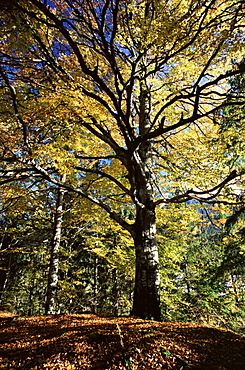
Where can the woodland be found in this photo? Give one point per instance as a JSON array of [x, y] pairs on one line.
[[122, 161]]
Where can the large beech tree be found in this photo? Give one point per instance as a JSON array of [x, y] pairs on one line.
[[97, 89]]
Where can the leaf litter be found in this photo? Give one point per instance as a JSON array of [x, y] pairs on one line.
[[87, 341]]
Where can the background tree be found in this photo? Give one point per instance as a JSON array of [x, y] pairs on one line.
[[50, 306], [25, 230], [96, 263], [101, 88]]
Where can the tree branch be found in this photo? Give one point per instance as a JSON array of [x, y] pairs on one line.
[[197, 195], [105, 175], [114, 215]]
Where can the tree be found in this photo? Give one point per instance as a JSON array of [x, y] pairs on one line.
[[124, 79], [50, 305]]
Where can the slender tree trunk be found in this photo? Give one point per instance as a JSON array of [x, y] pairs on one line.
[[95, 285], [31, 296], [115, 292], [5, 264], [50, 306], [235, 289]]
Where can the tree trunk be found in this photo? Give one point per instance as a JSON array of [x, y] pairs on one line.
[[115, 291], [5, 264], [31, 296], [146, 303], [95, 286], [50, 306]]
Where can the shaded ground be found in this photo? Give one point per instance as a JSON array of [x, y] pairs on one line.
[[85, 341]]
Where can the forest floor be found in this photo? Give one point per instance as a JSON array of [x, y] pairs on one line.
[[86, 341]]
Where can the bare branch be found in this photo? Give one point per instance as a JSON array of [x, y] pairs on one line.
[[105, 175], [114, 215], [198, 195]]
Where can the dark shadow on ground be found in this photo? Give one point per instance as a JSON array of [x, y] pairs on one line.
[[91, 342]]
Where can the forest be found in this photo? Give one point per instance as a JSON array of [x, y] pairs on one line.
[[122, 162]]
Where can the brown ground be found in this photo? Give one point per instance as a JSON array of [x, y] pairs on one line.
[[74, 342]]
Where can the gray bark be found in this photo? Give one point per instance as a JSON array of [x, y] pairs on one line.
[[50, 306], [5, 264], [95, 286], [146, 303]]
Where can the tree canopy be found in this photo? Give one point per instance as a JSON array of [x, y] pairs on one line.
[[122, 97]]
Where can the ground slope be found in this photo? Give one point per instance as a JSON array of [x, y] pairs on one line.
[[75, 342]]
